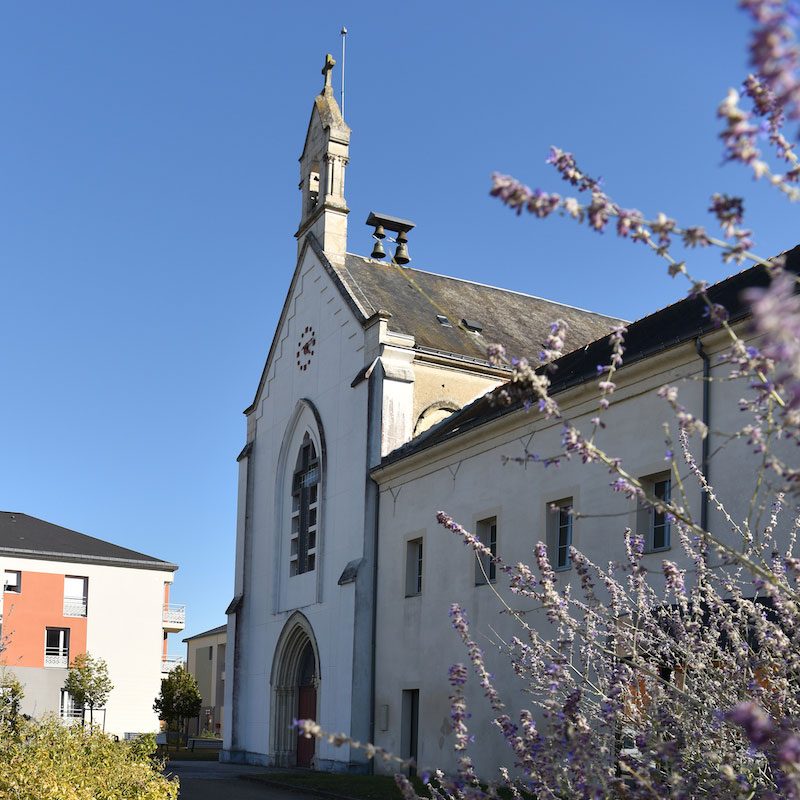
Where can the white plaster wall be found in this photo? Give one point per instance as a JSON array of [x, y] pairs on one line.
[[416, 643], [271, 594], [124, 627]]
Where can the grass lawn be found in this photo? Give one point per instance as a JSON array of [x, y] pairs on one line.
[[363, 787], [184, 754]]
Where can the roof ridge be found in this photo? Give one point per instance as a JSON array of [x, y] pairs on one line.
[[356, 287], [215, 630]]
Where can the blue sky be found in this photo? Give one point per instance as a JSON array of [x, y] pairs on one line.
[[148, 159]]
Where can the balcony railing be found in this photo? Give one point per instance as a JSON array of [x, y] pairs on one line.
[[74, 606], [174, 617], [56, 657], [70, 716], [168, 663]]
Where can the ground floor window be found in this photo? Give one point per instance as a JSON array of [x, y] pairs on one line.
[[68, 708], [409, 734]]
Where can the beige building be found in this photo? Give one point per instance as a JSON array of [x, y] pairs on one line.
[[205, 660]]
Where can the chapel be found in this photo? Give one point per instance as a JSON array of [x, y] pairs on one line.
[[370, 351]]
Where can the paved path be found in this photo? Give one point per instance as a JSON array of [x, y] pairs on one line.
[[210, 780]]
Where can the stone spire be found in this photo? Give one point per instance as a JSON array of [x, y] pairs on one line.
[[322, 167]]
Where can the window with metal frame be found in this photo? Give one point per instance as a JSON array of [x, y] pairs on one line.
[[68, 708], [305, 510], [12, 581], [414, 567], [56, 647], [75, 595], [485, 568], [559, 533], [651, 522]]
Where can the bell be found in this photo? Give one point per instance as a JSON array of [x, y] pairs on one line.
[[401, 254], [379, 232], [377, 251]]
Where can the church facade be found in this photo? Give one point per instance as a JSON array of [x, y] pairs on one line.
[[372, 414], [366, 354]]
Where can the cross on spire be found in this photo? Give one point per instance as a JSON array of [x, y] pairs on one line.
[[330, 63]]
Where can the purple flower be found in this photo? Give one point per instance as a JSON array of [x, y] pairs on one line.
[[757, 724], [789, 751], [774, 52], [728, 210], [717, 314], [776, 316]]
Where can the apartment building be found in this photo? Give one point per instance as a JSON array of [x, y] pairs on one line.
[[66, 593]]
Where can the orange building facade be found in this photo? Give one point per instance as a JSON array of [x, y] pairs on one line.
[[51, 625]]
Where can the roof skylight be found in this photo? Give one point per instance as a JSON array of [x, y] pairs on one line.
[[472, 326]]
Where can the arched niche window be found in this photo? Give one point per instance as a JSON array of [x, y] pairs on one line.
[[312, 188], [308, 667], [305, 509]]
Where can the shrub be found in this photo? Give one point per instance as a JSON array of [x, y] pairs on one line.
[[49, 761]]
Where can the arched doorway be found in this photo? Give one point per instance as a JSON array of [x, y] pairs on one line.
[[295, 689]]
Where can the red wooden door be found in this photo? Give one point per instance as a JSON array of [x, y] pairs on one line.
[[306, 709]]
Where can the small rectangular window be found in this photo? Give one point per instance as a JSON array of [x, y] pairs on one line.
[[652, 523], [414, 568], [559, 533], [12, 581], [485, 568]]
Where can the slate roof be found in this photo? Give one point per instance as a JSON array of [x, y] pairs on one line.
[[666, 328], [30, 537], [415, 297]]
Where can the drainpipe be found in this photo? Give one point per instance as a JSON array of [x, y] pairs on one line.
[[698, 344], [373, 489], [372, 688]]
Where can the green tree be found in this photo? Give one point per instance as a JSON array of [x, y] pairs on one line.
[[179, 700], [88, 683]]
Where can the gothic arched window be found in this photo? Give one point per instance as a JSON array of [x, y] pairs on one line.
[[305, 509]]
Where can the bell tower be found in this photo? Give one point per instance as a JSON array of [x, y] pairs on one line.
[[322, 166]]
